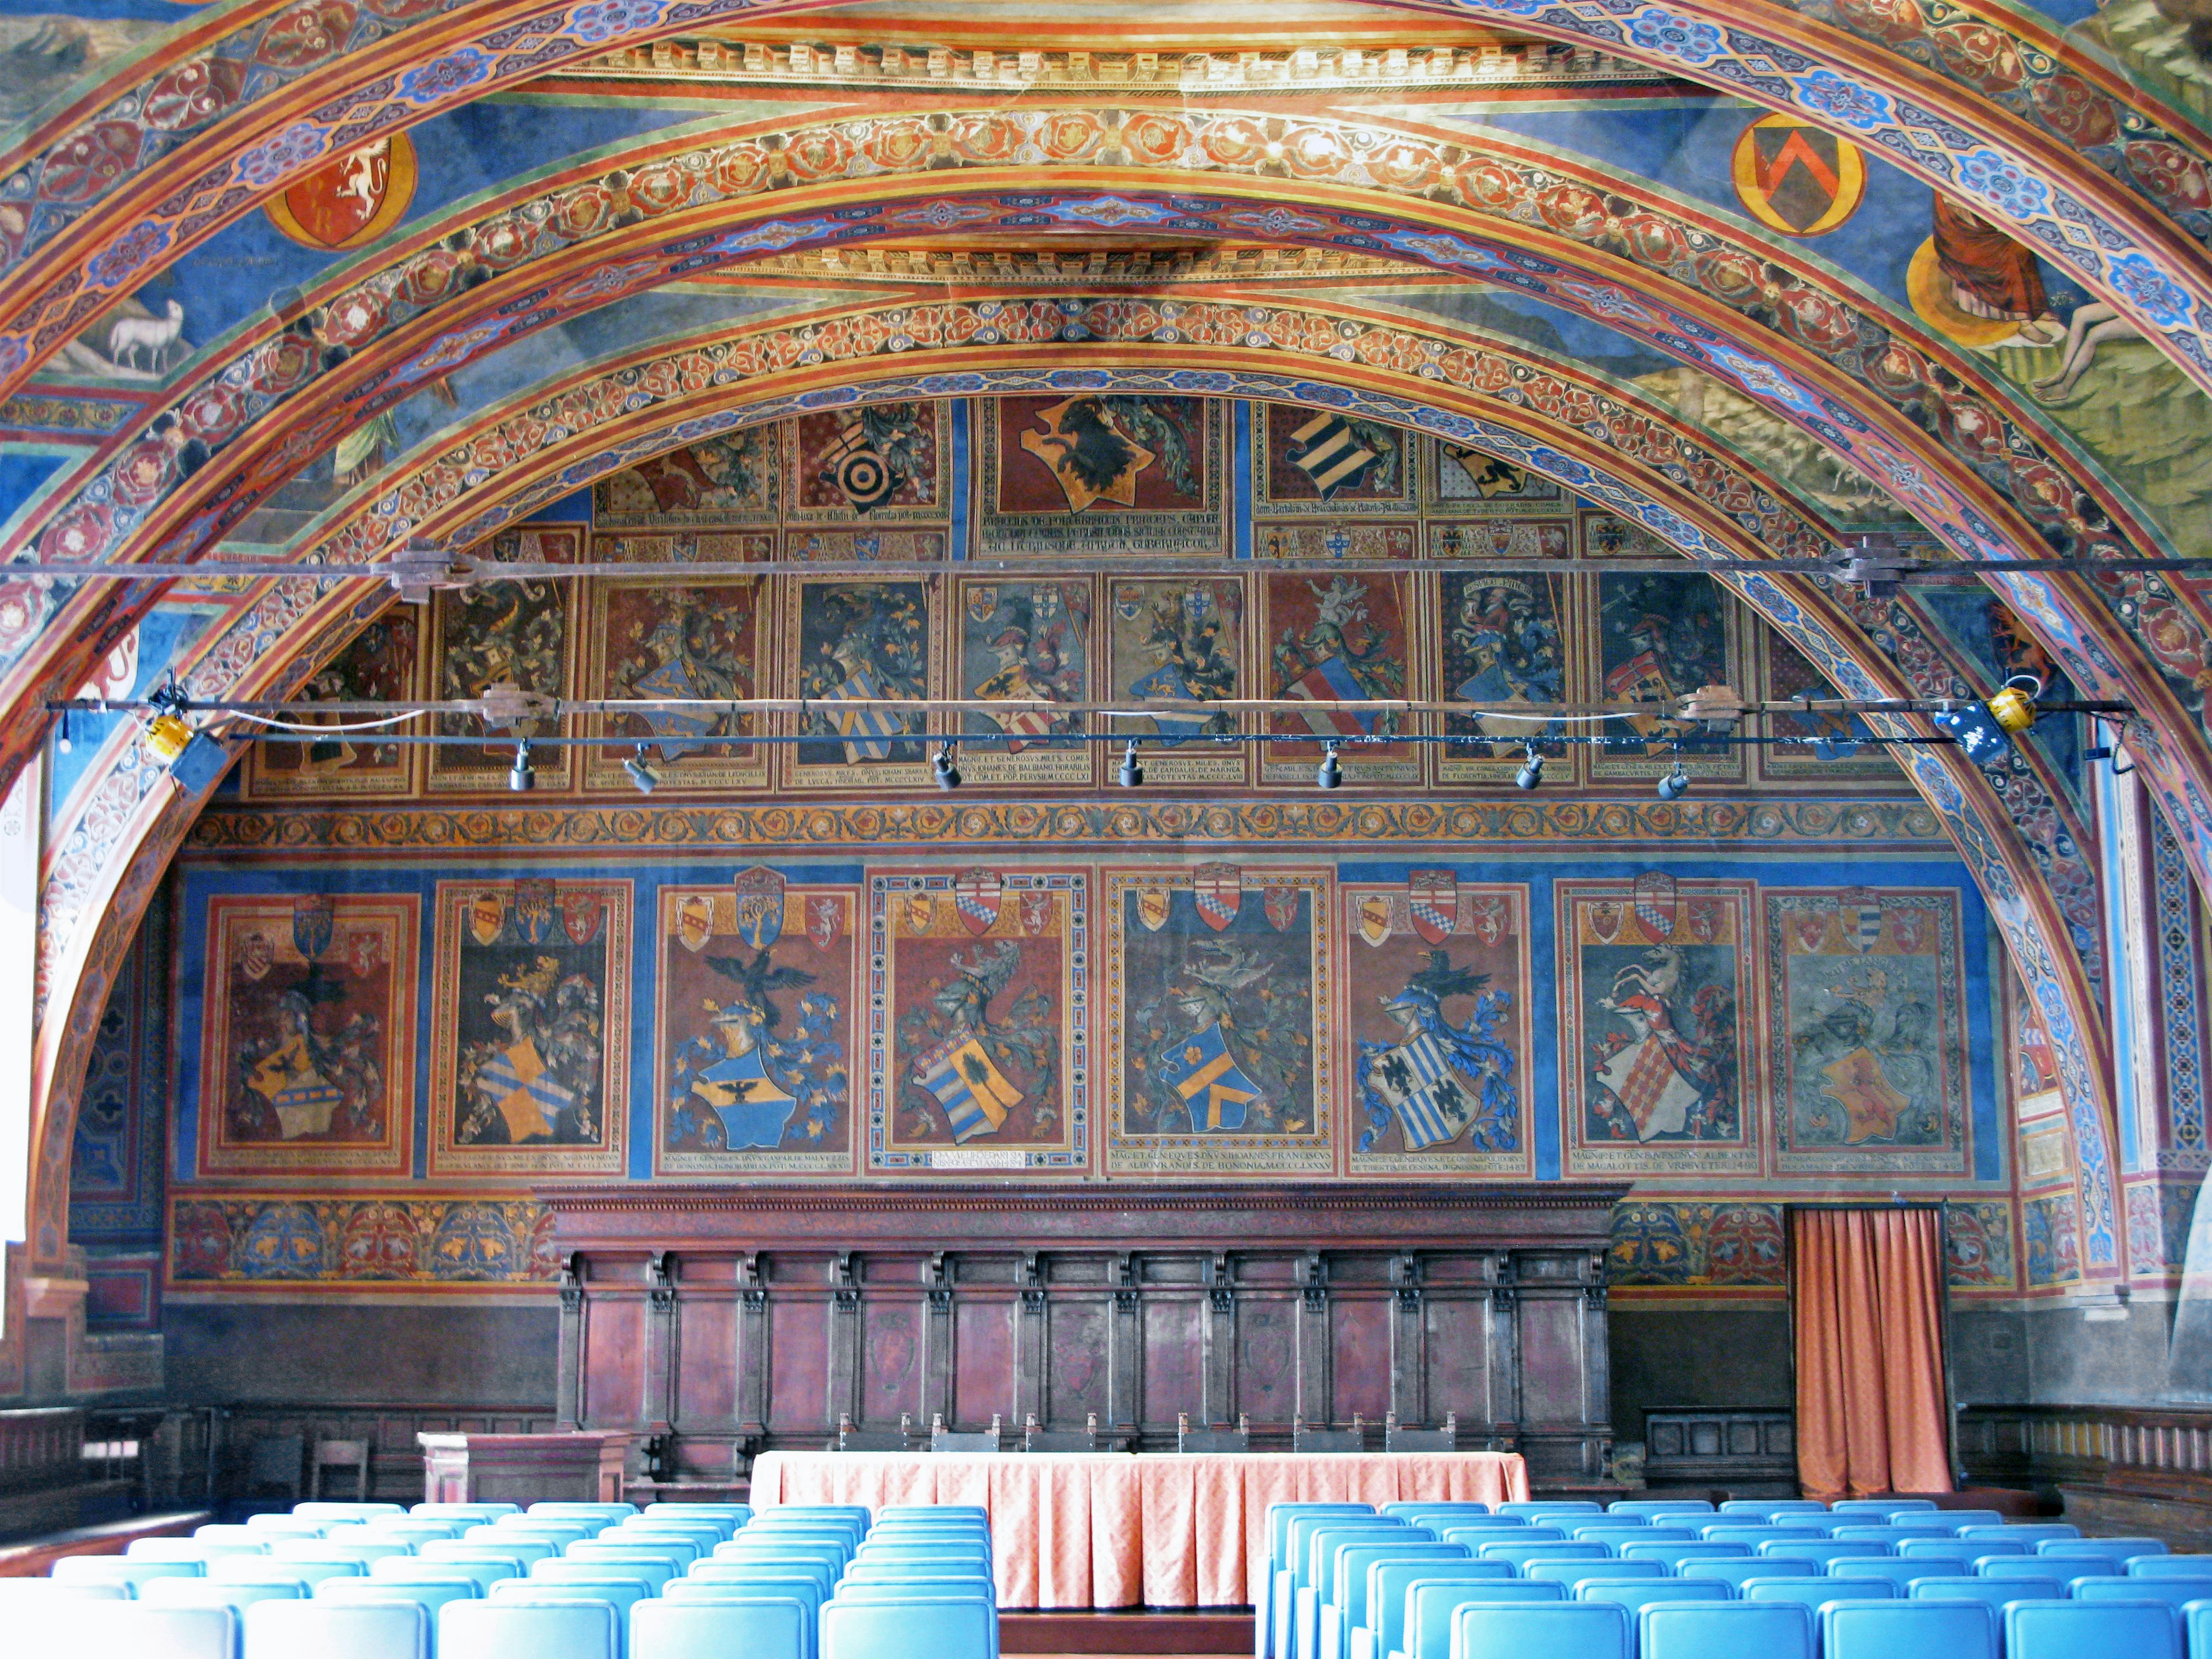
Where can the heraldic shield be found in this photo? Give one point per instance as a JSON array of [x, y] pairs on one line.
[[1203, 1071]]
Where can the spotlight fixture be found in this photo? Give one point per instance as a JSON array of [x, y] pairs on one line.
[[1532, 770], [948, 774], [61, 742], [1675, 784], [519, 778], [1330, 776], [165, 733], [642, 772], [1132, 774]]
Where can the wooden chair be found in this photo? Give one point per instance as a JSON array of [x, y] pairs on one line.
[[272, 1467], [942, 1439], [1035, 1439], [1210, 1439], [1304, 1439], [341, 1455], [1397, 1439], [878, 1440]]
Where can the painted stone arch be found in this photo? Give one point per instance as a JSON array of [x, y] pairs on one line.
[[1960, 798], [1793, 378], [1992, 107]]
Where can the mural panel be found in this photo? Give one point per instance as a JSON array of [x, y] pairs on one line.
[[1978, 1246], [654, 639], [1218, 1048], [1500, 639], [1023, 641], [1867, 1021], [1436, 1025], [1323, 463], [882, 464], [1180, 639], [1663, 1244], [308, 1033], [1101, 476], [530, 1027], [979, 1042], [758, 983], [514, 633], [378, 667], [1656, 637], [1468, 481], [722, 481], [1344, 640], [1313, 541], [852, 641], [1657, 1051]]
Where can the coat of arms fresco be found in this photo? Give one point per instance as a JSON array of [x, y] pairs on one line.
[[1218, 1053], [854, 642], [1180, 639], [984, 1059], [1025, 642], [1334, 640], [530, 1030], [308, 1055], [757, 989], [695, 642]]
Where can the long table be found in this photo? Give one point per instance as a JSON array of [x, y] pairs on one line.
[[1113, 1530]]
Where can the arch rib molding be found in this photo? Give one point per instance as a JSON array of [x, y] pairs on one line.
[[235, 106], [1963, 799], [1852, 381]]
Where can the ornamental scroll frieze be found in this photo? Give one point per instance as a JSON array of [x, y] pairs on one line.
[[245, 111]]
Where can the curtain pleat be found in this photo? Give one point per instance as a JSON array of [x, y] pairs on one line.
[[1866, 1287]]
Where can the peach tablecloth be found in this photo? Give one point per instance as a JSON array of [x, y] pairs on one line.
[[1110, 1530]]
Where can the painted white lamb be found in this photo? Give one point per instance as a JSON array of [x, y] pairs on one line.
[[157, 334]]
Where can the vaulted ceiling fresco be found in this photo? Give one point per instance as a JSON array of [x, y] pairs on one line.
[[319, 282]]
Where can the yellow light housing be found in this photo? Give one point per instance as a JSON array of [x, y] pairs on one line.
[[166, 737]]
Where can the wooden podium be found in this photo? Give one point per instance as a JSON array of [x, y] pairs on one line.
[[523, 1468]]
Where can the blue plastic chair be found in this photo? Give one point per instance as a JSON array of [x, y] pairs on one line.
[[428, 1597], [338, 1629], [1389, 1588], [1757, 1566], [436, 1511], [1415, 1509], [264, 1570], [518, 1554], [136, 1628], [937, 1630], [1723, 1533], [1773, 1506], [2171, 1567], [620, 1594], [1636, 1594], [1959, 1520], [1896, 1569], [1817, 1592], [414, 1570], [192, 1549], [1959, 1549], [1996, 1592], [1675, 1554], [2071, 1629], [1570, 1630], [1808, 1549], [1315, 1539], [35, 1597], [1572, 1573], [2174, 1592], [1725, 1630], [1892, 1505], [528, 1629], [2027, 1533], [680, 1552], [1429, 1608], [768, 1570], [1521, 1555], [652, 1570], [1345, 1608], [1270, 1634], [131, 1572], [763, 1628], [1504, 1530], [365, 1552], [1612, 1534], [2068, 1571], [1651, 1507], [1563, 1506], [1909, 1630], [337, 1511], [215, 1592], [2120, 1550], [2196, 1620]]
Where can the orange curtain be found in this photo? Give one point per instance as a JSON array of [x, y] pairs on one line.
[[1866, 1287]]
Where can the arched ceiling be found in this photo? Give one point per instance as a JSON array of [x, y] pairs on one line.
[[1153, 195]]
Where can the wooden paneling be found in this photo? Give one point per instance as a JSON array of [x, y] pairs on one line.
[[1143, 1304], [1746, 1451], [2113, 1469]]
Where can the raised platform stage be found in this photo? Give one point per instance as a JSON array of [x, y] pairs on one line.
[[1130, 1630], [33, 1557]]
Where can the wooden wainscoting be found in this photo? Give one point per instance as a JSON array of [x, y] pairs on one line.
[[2115, 1469], [734, 1320], [1752, 1454]]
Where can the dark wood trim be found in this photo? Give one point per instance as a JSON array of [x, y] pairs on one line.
[[1202, 1632]]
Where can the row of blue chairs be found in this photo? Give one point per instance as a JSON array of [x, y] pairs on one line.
[[1345, 1581], [559, 1580]]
